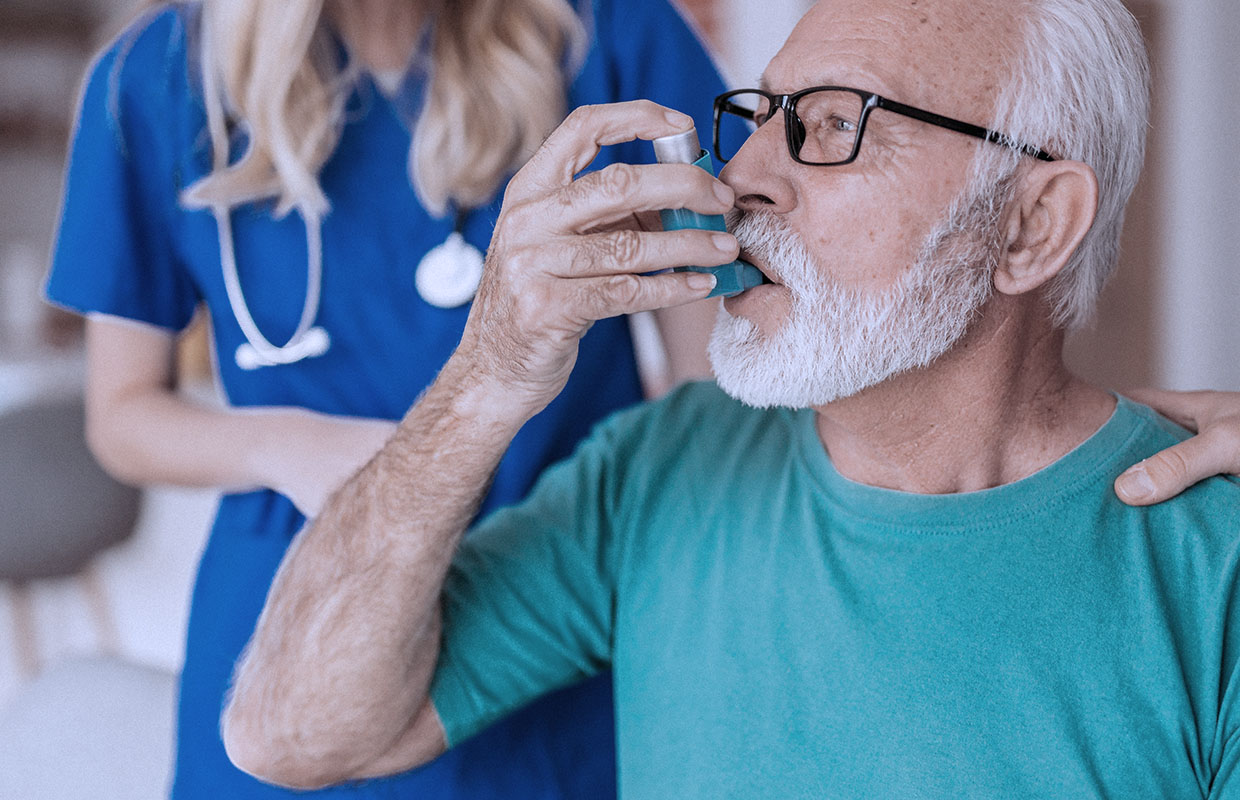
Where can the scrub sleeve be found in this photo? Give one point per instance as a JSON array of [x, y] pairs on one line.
[[126, 248]]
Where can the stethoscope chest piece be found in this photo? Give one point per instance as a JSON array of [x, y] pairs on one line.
[[448, 275]]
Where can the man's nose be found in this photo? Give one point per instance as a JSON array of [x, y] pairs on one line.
[[758, 173]]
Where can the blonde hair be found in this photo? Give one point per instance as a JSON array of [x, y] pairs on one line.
[[497, 87]]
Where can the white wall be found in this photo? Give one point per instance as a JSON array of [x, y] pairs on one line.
[[751, 32], [1200, 287]]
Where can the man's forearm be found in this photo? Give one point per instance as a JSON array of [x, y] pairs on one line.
[[342, 658], [335, 682]]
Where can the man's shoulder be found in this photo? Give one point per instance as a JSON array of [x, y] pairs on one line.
[[698, 405], [701, 395], [1202, 524]]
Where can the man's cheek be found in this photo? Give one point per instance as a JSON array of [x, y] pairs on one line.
[[857, 251]]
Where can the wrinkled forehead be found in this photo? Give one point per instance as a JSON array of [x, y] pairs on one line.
[[950, 56]]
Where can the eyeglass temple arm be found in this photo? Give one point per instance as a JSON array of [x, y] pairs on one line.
[[963, 127]]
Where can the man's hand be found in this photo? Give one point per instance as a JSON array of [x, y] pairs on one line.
[[567, 253], [1214, 416]]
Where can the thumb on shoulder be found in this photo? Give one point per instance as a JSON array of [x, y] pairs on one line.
[[1168, 473]]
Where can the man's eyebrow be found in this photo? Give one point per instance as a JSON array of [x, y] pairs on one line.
[[865, 85]]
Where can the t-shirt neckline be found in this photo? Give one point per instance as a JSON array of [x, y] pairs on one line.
[[1040, 493]]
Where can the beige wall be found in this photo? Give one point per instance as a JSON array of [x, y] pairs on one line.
[[1170, 316], [1198, 284]]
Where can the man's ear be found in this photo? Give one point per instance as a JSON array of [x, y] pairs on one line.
[[1053, 208]]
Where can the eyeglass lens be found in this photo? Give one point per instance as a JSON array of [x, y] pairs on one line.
[[824, 130]]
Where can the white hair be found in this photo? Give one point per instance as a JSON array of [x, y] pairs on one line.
[[1080, 90]]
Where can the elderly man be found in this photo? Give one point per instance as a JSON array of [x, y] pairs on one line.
[[888, 562]]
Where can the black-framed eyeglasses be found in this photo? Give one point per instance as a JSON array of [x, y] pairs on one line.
[[824, 125]]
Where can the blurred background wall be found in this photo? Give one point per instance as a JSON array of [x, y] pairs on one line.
[[1169, 318]]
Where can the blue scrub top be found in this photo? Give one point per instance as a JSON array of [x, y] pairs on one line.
[[127, 248]]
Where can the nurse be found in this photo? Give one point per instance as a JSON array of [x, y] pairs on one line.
[[322, 176]]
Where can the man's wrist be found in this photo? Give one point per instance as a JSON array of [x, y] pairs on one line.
[[474, 397]]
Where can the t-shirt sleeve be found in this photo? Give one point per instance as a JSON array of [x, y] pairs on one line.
[[1224, 606], [113, 252], [528, 605]]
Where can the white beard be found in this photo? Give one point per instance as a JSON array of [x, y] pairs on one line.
[[839, 340]]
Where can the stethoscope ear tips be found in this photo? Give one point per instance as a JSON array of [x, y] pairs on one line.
[[312, 344]]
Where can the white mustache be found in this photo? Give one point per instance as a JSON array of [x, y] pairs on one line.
[[769, 240]]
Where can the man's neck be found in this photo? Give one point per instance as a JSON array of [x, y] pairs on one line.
[[998, 407]]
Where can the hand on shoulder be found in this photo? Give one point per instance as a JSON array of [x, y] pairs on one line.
[[1214, 417]]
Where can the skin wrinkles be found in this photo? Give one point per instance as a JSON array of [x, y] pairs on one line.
[[895, 444], [1020, 421]]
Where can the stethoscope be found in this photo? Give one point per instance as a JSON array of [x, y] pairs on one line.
[[446, 277]]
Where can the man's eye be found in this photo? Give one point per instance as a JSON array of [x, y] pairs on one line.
[[843, 125]]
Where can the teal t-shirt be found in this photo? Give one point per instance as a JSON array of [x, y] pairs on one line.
[[778, 631]]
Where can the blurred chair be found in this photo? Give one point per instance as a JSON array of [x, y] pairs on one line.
[[89, 728], [58, 509]]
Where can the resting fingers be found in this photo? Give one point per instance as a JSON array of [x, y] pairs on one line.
[[1214, 450]]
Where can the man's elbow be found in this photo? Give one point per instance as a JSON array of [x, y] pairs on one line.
[[286, 758], [271, 758]]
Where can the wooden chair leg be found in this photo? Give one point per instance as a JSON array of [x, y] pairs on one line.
[[25, 631], [100, 610]]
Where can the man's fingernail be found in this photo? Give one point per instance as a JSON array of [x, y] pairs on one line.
[[1137, 484], [724, 193], [724, 242], [678, 119], [701, 280]]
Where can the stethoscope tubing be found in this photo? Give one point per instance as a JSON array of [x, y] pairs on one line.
[[307, 340]]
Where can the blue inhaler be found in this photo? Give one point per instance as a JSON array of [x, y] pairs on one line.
[[731, 279]]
